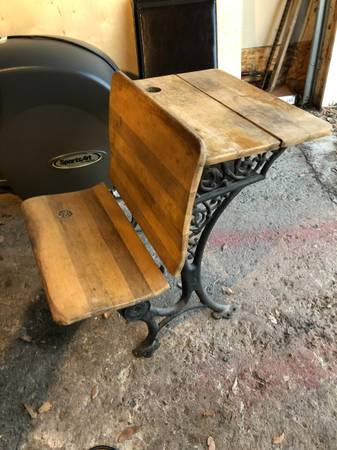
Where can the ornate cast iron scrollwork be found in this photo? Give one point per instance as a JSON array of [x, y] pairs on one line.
[[219, 185]]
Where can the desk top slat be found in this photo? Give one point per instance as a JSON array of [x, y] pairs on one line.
[[288, 123], [226, 135]]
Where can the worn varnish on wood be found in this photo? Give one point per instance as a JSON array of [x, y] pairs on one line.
[[156, 165], [251, 120], [90, 257]]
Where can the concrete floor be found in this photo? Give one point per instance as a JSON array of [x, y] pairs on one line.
[[268, 373]]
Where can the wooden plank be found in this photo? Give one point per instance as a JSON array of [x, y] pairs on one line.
[[328, 40], [297, 63], [276, 43], [255, 59], [156, 165], [288, 123], [286, 36], [294, 68], [226, 135], [299, 52], [92, 260], [309, 22]]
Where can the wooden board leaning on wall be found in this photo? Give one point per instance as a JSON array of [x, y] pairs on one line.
[[294, 69], [296, 61], [329, 38]]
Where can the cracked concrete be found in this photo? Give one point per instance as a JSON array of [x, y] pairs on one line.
[[321, 155], [269, 370]]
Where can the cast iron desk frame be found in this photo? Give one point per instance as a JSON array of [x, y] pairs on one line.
[[219, 185]]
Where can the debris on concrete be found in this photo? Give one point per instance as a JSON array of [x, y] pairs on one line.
[[211, 443], [127, 433], [329, 114], [277, 440], [94, 392], [45, 407], [208, 413], [30, 410]]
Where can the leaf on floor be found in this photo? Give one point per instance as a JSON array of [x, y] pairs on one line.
[[30, 410], [272, 319], [26, 338], [94, 392], [277, 440], [228, 291], [45, 407], [235, 386], [127, 433], [211, 443], [107, 315], [208, 413]]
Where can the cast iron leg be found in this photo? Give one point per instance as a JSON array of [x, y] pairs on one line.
[[141, 311], [219, 185]]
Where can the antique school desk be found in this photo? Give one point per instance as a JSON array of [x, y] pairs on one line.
[[183, 146]]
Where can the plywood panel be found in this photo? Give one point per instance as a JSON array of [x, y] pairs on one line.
[[104, 23], [108, 24]]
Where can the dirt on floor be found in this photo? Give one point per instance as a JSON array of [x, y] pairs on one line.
[[329, 114], [266, 379]]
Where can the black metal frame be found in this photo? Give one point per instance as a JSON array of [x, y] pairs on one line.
[[219, 185], [103, 447]]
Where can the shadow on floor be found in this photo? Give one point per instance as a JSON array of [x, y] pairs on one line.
[[29, 369]]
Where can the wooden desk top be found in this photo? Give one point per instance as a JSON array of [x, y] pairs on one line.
[[232, 117]]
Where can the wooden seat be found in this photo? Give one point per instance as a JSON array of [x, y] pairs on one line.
[[90, 257]]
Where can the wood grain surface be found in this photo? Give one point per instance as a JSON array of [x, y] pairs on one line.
[[288, 123], [226, 135], [156, 165], [90, 257]]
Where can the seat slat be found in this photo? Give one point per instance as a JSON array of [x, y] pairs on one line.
[[90, 257]]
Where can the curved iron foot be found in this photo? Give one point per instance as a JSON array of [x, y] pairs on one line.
[[191, 280], [103, 447], [146, 348], [226, 313], [223, 310], [145, 312], [142, 311], [148, 314]]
